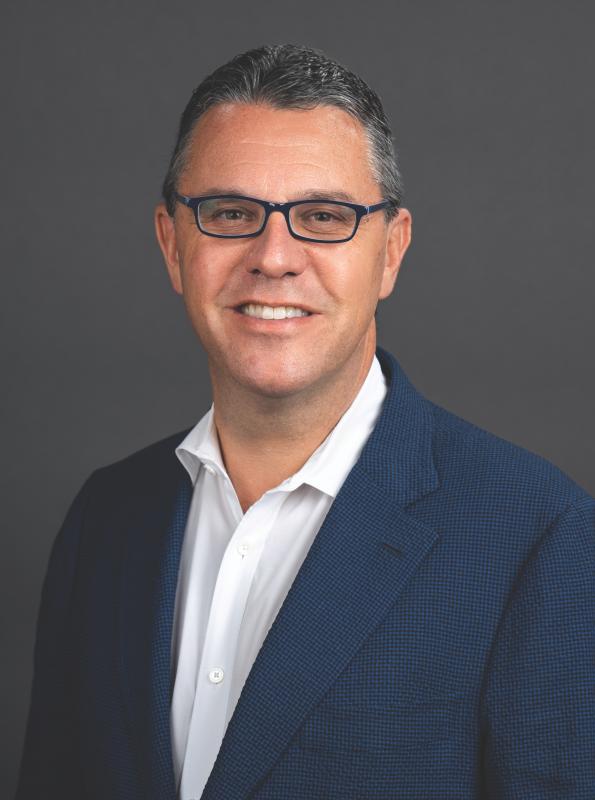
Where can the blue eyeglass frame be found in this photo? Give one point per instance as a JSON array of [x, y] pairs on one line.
[[269, 206]]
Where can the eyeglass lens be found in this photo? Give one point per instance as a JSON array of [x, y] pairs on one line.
[[229, 216]]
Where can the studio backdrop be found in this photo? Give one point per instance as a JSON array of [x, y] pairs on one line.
[[492, 316]]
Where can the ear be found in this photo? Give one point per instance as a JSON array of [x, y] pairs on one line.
[[165, 230], [398, 239]]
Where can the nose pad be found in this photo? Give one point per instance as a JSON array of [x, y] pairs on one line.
[[275, 252], [277, 219]]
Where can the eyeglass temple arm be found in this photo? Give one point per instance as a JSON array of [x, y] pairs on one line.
[[382, 204]]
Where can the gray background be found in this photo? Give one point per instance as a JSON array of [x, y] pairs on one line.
[[492, 107]]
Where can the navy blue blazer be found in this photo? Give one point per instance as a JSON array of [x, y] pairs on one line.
[[437, 643]]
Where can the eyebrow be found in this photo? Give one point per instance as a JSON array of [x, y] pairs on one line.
[[308, 194], [316, 194]]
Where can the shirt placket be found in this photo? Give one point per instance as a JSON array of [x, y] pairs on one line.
[[214, 679]]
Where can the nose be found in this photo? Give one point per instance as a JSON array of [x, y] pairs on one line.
[[275, 252]]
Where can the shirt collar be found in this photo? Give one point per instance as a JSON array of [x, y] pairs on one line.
[[328, 466]]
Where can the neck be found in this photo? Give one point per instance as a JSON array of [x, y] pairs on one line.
[[265, 440]]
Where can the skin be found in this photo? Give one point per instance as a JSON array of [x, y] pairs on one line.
[[280, 386]]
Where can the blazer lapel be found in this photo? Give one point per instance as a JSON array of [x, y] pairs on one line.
[[154, 531], [360, 561]]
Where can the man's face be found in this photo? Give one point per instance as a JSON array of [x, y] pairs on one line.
[[282, 155]]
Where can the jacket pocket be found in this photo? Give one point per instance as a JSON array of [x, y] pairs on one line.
[[339, 727], [417, 751]]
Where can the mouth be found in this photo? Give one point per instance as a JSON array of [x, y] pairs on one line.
[[272, 312]]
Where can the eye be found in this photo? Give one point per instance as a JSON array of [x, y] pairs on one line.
[[323, 216], [231, 214], [319, 219], [228, 216]]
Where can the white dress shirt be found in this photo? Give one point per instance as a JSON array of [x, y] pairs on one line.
[[236, 570]]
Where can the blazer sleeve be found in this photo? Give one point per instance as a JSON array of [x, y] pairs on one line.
[[50, 764], [539, 699]]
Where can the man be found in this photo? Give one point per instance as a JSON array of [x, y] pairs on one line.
[[330, 587]]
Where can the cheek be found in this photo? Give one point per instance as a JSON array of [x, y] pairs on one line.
[[203, 277], [358, 282]]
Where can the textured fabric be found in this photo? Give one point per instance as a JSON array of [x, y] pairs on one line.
[[438, 641], [236, 570]]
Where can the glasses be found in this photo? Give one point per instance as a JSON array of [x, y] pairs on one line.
[[239, 217]]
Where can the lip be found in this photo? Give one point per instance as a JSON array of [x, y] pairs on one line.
[[276, 304], [273, 324], [277, 327]]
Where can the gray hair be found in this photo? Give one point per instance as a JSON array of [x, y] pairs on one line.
[[288, 76]]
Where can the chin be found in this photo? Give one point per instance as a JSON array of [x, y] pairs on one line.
[[277, 386], [277, 382]]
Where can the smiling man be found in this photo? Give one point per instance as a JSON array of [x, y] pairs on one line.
[[330, 586], [287, 320]]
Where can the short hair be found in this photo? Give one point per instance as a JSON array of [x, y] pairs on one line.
[[288, 76]]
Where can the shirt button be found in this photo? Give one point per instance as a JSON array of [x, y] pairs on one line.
[[209, 469], [243, 548], [216, 675]]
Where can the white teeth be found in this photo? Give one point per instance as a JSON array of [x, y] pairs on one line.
[[273, 312]]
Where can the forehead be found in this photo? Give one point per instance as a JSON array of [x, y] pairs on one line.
[[261, 149]]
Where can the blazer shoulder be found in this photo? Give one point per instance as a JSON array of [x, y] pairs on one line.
[[477, 462], [149, 467]]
